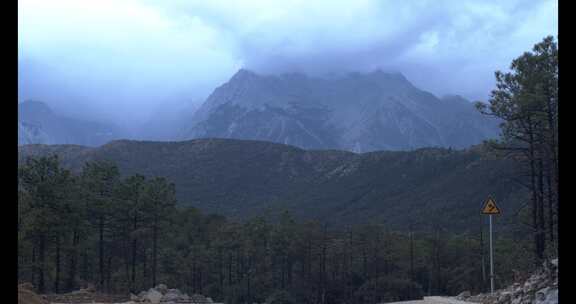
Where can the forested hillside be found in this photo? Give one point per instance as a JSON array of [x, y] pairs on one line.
[[125, 234], [425, 188]]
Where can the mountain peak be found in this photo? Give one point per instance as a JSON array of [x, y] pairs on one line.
[[394, 76], [244, 74]]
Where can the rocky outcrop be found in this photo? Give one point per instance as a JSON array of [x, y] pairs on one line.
[[161, 294], [540, 288]]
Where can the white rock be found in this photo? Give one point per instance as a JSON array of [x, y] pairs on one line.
[[153, 296], [175, 291], [547, 296], [170, 296]]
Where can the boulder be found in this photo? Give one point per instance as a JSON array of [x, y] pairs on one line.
[[185, 297], [175, 291], [163, 289], [153, 296], [464, 295], [504, 297], [546, 296], [198, 298], [161, 294], [172, 295], [554, 262]]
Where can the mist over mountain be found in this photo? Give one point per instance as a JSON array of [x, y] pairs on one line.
[[166, 122], [349, 111], [118, 60], [355, 111], [39, 124]]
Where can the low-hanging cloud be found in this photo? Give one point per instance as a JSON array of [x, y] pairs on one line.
[[125, 59]]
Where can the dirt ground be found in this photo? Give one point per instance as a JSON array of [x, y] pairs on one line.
[[27, 296]]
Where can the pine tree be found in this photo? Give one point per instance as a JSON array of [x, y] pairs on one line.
[[526, 99]]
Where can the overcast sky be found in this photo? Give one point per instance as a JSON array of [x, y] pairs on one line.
[[124, 59]]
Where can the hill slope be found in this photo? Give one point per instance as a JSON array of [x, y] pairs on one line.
[[241, 178]]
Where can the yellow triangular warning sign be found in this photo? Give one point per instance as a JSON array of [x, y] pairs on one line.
[[490, 207]]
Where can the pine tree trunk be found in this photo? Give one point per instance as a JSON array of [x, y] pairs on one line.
[[154, 251], [109, 275], [350, 264], [411, 259], [323, 271], [541, 217], [550, 210], [57, 266], [230, 269], [364, 262], [134, 251], [537, 246], [34, 268], [127, 260], [200, 280], [101, 251], [283, 268], [482, 257], [72, 262], [309, 260], [221, 270], [42, 258], [553, 144], [248, 289], [145, 267], [85, 271]]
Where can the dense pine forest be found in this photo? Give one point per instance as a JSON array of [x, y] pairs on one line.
[[126, 234]]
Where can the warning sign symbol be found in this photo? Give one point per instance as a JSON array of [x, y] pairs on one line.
[[490, 207]]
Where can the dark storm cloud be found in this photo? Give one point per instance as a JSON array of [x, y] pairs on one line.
[[124, 59]]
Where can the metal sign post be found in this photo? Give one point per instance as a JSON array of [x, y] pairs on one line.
[[491, 259], [490, 208]]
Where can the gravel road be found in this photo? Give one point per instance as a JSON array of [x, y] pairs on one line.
[[432, 300]]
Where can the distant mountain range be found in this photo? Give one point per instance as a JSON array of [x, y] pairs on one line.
[[242, 178], [38, 124], [355, 112]]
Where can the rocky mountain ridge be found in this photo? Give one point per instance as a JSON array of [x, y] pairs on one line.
[[356, 112]]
